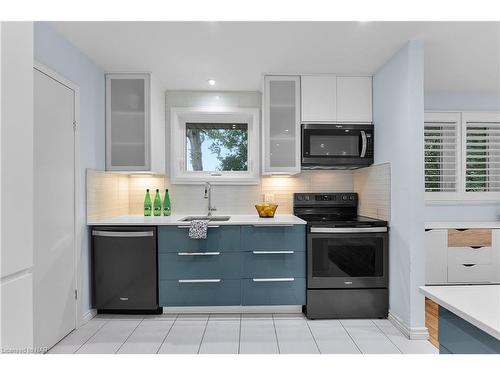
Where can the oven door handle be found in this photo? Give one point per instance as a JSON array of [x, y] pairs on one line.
[[364, 144], [349, 230]]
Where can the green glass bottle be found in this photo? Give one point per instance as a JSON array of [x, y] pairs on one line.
[[166, 204], [147, 204], [157, 204]]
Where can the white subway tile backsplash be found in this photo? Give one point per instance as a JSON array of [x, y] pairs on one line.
[[373, 185]]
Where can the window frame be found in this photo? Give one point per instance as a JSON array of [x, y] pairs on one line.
[[179, 116], [461, 195]]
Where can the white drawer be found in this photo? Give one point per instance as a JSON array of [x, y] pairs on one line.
[[470, 273], [470, 255]]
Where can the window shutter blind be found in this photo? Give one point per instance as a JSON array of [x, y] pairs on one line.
[[441, 156], [482, 152]]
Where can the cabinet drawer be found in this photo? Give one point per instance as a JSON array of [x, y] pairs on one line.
[[475, 273], [469, 237], [273, 237], [274, 291], [470, 255], [206, 265], [274, 263], [174, 239], [200, 292]]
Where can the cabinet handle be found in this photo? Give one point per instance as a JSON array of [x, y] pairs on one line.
[[468, 265], [187, 226], [476, 247], [107, 233], [274, 280], [187, 281], [273, 225], [461, 229], [274, 252], [196, 254]]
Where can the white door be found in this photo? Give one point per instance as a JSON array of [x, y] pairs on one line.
[[319, 98], [54, 250]]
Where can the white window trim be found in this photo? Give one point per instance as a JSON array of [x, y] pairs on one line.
[[178, 118], [461, 196]]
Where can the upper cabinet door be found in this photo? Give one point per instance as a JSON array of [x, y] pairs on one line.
[[128, 122], [354, 99], [319, 98], [281, 135]]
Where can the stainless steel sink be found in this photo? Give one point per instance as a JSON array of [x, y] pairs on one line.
[[210, 218]]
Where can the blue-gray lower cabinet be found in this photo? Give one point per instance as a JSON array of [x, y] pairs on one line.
[[274, 291], [199, 292], [457, 336], [173, 239], [235, 265]]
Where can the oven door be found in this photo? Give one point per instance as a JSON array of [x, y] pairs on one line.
[[336, 145], [347, 258]]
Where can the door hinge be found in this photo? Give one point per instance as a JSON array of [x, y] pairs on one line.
[[74, 124], [76, 294]]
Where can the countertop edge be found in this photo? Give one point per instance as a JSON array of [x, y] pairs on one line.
[[461, 224], [475, 322]]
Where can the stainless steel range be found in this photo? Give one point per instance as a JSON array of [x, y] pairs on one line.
[[347, 258]]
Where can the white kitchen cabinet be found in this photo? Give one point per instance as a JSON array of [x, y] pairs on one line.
[[463, 256], [281, 128], [135, 123], [319, 98], [354, 99], [436, 253]]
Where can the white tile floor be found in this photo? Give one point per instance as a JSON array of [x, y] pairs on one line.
[[237, 333]]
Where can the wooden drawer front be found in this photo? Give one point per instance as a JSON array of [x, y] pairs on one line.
[[273, 237], [478, 273], [274, 263], [274, 291], [469, 255], [173, 239], [469, 237], [205, 265], [432, 321], [199, 292]]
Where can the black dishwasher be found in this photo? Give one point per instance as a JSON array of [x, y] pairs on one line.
[[125, 269]]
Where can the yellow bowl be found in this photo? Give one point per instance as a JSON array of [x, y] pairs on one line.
[[266, 209]]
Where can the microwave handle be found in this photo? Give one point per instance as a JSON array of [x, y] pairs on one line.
[[363, 144]]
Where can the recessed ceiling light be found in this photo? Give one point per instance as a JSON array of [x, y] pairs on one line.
[[211, 82]]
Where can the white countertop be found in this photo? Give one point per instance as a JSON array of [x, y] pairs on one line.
[[461, 224], [175, 220], [477, 304]]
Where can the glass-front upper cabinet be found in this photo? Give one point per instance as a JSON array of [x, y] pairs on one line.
[[281, 135], [128, 122]]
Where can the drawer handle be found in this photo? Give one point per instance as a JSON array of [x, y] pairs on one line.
[[274, 280], [187, 281], [196, 254], [461, 229], [273, 225], [187, 226], [274, 252], [476, 247], [468, 264]]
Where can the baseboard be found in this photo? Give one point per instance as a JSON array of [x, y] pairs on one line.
[[88, 316], [234, 309], [413, 333]]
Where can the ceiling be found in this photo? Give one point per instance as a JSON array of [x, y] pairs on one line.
[[460, 57]]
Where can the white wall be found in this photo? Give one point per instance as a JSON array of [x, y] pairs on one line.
[[398, 109], [16, 191], [461, 102], [52, 50]]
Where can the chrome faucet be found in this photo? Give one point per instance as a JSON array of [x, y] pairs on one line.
[[208, 195]]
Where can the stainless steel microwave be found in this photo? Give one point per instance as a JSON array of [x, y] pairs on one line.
[[337, 146]]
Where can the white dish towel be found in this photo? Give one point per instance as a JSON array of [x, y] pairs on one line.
[[198, 229]]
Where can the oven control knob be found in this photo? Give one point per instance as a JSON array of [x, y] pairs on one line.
[[307, 197], [344, 197], [351, 197], [300, 197]]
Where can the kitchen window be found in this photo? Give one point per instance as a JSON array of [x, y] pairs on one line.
[[462, 156], [219, 146]]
